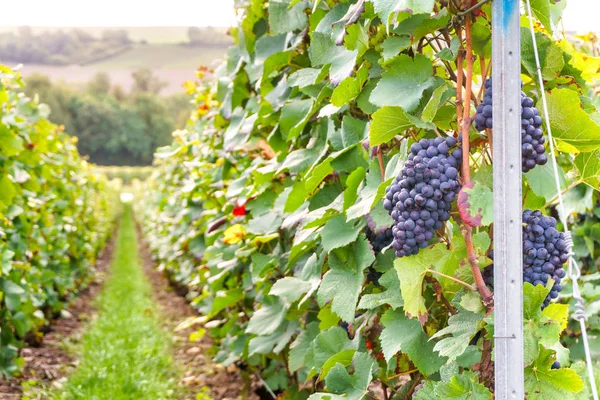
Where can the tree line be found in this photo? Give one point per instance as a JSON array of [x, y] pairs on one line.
[[113, 126]]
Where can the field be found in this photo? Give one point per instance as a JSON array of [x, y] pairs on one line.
[[164, 50]]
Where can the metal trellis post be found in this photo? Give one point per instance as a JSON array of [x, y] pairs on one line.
[[508, 259]]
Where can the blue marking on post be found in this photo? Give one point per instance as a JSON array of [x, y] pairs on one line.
[[508, 7]]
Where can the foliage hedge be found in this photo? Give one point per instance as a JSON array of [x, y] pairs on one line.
[[55, 216], [259, 208]]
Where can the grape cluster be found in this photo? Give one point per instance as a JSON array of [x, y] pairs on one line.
[[544, 252], [420, 197], [380, 239], [532, 138]]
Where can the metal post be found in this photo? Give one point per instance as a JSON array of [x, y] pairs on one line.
[[508, 247]]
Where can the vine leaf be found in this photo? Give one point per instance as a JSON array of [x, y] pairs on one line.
[[404, 83], [268, 318], [346, 386], [10, 143], [406, 335], [283, 19], [326, 345], [388, 122], [411, 272], [476, 204], [300, 346], [541, 10], [465, 386], [551, 56], [539, 329], [542, 382], [391, 296], [570, 124], [342, 283], [352, 16], [461, 328], [588, 166], [387, 8]]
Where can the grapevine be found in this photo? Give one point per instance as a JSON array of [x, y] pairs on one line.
[[326, 117]]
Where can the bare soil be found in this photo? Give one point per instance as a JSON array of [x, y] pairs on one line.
[[50, 361], [200, 371]]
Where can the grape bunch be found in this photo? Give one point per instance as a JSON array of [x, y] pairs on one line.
[[532, 138], [544, 253], [420, 197], [380, 239]]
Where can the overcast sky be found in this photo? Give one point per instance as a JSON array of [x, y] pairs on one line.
[[580, 15]]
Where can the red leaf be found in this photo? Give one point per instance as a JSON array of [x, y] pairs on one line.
[[239, 211], [464, 206]]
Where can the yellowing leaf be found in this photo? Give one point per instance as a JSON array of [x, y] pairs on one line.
[[234, 234]]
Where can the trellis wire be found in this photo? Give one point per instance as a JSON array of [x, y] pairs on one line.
[[574, 270]]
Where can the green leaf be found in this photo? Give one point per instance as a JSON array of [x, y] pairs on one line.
[[350, 87], [369, 194], [11, 144], [392, 46], [268, 318], [588, 166], [433, 104], [224, 299], [342, 283], [283, 19], [542, 181], [387, 123], [294, 117], [476, 204], [542, 382], [300, 346], [290, 288], [465, 386], [461, 328], [551, 56], [406, 335], [351, 192], [570, 124], [7, 191], [386, 8], [391, 296], [404, 83], [338, 233], [346, 386], [326, 345], [541, 10], [267, 223], [306, 77], [411, 272], [482, 39]]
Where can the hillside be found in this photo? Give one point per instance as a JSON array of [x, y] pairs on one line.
[[77, 54]]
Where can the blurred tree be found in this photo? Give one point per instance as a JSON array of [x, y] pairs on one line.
[[99, 84], [144, 81]]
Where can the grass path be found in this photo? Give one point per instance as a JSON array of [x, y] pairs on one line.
[[126, 354]]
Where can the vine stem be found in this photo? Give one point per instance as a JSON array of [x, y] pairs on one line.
[[381, 167], [465, 123], [453, 279]]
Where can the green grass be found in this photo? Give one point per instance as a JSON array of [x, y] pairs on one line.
[[126, 354]]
